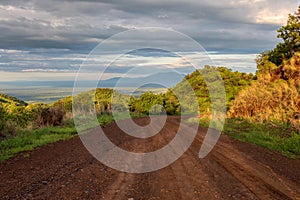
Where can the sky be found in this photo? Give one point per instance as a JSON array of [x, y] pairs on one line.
[[49, 40]]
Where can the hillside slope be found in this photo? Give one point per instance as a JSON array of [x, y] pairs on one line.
[[9, 100], [234, 82]]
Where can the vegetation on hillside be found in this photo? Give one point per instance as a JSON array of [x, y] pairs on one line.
[[9, 100], [16, 114], [13, 114], [275, 96], [26, 126], [268, 112], [234, 82]]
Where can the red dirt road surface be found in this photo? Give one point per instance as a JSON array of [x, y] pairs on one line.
[[233, 170]]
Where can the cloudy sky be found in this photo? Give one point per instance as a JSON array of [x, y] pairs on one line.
[[48, 40]]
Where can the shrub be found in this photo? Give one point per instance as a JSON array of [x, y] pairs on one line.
[[276, 99], [44, 115]]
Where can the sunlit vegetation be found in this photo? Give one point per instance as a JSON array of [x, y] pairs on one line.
[[268, 112], [146, 102], [26, 140], [234, 82], [290, 35], [265, 109], [9, 100], [275, 96], [25, 126]]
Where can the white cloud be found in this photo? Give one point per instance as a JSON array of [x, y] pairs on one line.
[[268, 16], [47, 70]]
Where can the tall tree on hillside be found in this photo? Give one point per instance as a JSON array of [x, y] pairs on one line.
[[290, 33]]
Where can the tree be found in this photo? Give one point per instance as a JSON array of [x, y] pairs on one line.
[[2, 119], [146, 102], [290, 33], [265, 67], [171, 103]]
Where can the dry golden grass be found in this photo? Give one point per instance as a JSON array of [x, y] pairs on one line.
[[273, 97]]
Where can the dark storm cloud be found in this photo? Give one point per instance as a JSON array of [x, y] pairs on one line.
[[78, 25], [56, 36]]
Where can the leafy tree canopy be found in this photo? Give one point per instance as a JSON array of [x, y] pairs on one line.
[[290, 34]]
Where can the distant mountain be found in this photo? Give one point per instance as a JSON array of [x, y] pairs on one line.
[[49, 91], [22, 84], [165, 80], [6, 99], [159, 80]]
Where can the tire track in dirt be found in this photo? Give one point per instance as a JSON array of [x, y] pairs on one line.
[[260, 179], [266, 185]]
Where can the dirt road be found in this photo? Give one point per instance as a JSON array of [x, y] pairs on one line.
[[233, 170]]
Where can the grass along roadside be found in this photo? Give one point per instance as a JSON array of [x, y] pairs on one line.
[[26, 140], [278, 137]]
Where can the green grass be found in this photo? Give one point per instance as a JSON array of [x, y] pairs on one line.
[[275, 137], [26, 140], [203, 122], [278, 137]]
